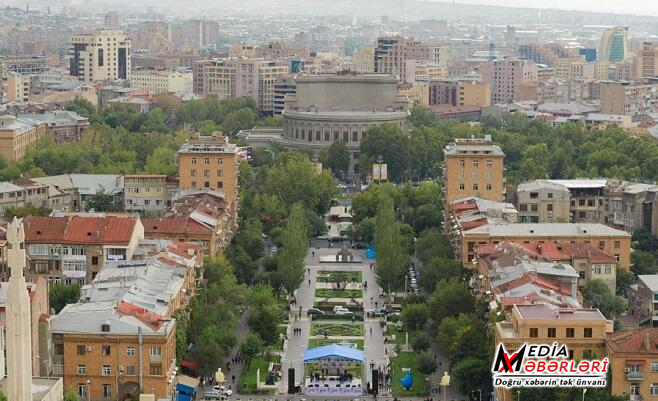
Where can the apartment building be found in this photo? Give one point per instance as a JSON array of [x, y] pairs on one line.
[[583, 331], [629, 98], [507, 77], [202, 217], [18, 88], [611, 240], [100, 56], [392, 53], [633, 357], [283, 86], [243, 77], [363, 60], [543, 201], [646, 61], [61, 125], [643, 299], [17, 135], [107, 351], [568, 69], [473, 167], [210, 162], [74, 248], [587, 199], [459, 93], [156, 82], [21, 193], [146, 194]]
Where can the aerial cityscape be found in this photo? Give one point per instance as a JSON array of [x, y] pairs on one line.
[[408, 200]]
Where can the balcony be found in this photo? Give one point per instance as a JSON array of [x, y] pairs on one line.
[[634, 376]]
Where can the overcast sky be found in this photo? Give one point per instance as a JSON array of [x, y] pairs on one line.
[[646, 7]]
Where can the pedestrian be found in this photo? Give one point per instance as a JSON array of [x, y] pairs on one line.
[[309, 282], [233, 378], [313, 255], [309, 271], [375, 304], [371, 331]]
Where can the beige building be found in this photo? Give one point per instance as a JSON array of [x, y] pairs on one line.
[[583, 331], [633, 359], [363, 60], [614, 44], [22, 193], [146, 194], [646, 60], [243, 77], [424, 71], [543, 202], [568, 69], [393, 52], [629, 98], [473, 167], [18, 87], [156, 82], [210, 162], [100, 56], [459, 93], [507, 77], [615, 242], [17, 135], [418, 93]]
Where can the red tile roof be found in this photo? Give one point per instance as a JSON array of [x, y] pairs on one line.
[[643, 341], [79, 229], [149, 318], [173, 225]]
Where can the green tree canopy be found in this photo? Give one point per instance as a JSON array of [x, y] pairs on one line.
[[290, 258]]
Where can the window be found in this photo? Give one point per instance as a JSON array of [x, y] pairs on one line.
[[570, 354], [488, 187], [461, 174], [206, 160], [523, 207], [94, 260], [608, 269], [654, 388], [105, 350], [549, 207], [194, 160], [571, 332], [81, 390], [220, 184], [220, 160], [462, 163], [581, 202], [654, 366], [489, 163], [475, 187], [82, 369], [550, 195], [476, 163], [155, 370], [552, 332], [220, 173], [193, 184], [155, 351], [462, 187], [534, 195], [59, 349], [130, 370], [617, 244], [534, 332], [107, 370], [39, 249], [601, 244], [81, 349], [534, 207], [130, 350], [587, 332], [206, 173], [597, 269], [193, 173], [107, 391]]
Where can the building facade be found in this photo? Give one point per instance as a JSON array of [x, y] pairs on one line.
[[614, 44], [100, 56], [473, 167], [156, 82], [507, 77], [543, 202], [146, 194], [646, 61], [17, 135], [459, 93], [633, 357]]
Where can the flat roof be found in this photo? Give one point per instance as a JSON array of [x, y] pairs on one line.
[[549, 229], [545, 311], [581, 183]]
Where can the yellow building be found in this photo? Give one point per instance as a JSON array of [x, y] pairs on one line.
[[615, 242], [633, 359], [17, 135], [156, 82], [473, 167], [18, 87], [145, 194], [209, 162], [363, 60], [460, 93], [417, 93], [583, 331]]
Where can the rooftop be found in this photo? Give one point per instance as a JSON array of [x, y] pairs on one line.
[[650, 280], [544, 311], [643, 341], [473, 146], [79, 229], [548, 229], [581, 183]]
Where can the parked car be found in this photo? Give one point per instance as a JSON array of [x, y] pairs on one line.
[[314, 311], [212, 395], [223, 390], [390, 310], [342, 311], [376, 313]]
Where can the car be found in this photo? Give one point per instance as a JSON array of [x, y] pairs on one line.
[[212, 395], [391, 310], [376, 313], [314, 311], [342, 311], [223, 390]]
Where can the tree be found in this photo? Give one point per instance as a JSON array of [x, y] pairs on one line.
[[81, 106], [391, 144], [295, 245], [425, 363], [414, 316], [2, 396], [644, 262], [392, 261], [62, 294], [421, 342], [643, 240], [208, 350], [265, 314], [251, 346], [597, 294], [624, 280], [438, 269], [433, 244], [463, 336], [337, 158], [69, 395], [181, 334], [101, 201], [422, 117], [27, 210], [239, 120], [450, 298], [471, 375]]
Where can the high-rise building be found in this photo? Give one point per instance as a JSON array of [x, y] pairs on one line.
[[459, 93], [392, 52], [507, 77], [244, 77], [112, 20], [99, 56], [363, 60], [18, 87], [614, 44], [210, 162], [473, 167], [646, 61]]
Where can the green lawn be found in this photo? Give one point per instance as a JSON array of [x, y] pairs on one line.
[[329, 276], [337, 329], [331, 293], [407, 360], [318, 342]]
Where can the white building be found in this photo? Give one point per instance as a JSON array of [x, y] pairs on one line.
[[156, 82], [99, 56]]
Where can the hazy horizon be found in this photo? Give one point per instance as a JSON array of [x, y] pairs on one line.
[[645, 7]]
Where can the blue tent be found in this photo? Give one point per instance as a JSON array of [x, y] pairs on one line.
[[334, 351], [184, 392]]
